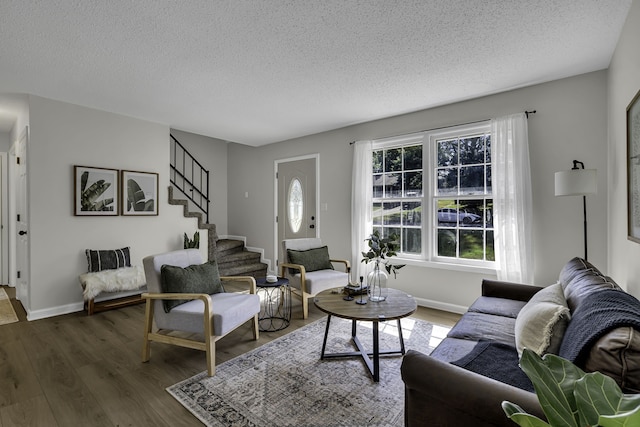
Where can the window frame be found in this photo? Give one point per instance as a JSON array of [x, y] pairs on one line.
[[429, 225]]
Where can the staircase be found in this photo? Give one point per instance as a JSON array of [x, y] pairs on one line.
[[232, 256]]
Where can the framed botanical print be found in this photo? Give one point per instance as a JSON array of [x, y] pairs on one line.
[[633, 169], [139, 193], [95, 191]]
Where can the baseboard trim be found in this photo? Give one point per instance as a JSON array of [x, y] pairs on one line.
[[75, 307], [54, 311], [438, 305]]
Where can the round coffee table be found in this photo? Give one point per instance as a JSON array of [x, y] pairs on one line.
[[397, 305]]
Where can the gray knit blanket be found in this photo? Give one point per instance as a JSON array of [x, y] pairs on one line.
[[599, 313]]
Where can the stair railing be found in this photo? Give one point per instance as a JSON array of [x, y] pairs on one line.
[[189, 176]]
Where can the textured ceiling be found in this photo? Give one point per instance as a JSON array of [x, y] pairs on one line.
[[257, 72]]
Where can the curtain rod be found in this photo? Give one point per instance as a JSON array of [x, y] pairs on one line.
[[444, 127]]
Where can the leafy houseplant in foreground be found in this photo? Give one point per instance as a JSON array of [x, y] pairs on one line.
[[380, 249], [571, 398]]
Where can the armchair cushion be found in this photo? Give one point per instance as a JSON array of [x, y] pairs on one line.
[[99, 260], [320, 280], [194, 279], [312, 259], [229, 311]]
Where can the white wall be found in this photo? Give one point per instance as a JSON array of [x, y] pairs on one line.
[[570, 123], [61, 136], [623, 84], [5, 141], [212, 154]]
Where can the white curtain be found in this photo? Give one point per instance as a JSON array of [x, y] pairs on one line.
[[361, 199], [512, 200]]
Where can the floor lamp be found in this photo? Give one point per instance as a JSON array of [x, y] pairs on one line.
[[578, 182]]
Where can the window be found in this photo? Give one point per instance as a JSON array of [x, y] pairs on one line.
[[295, 202], [433, 191]]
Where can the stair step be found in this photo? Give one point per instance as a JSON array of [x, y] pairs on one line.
[[254, 269], [238, 257], [229, 246]]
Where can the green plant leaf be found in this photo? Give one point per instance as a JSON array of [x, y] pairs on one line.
[[520, 417], [624, 419], [553, 379], [597, 394]]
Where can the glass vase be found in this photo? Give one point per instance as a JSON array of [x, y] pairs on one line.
[[377, 284]]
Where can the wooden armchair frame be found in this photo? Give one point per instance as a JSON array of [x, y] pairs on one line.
[[208, 345]]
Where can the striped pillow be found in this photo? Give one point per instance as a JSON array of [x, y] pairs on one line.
[[108, 259]]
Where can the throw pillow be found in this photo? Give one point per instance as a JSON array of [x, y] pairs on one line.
[[194, 279], [99, 260], [312, 259], [541, 323]]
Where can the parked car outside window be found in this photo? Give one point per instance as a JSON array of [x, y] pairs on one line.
[[450, 215]]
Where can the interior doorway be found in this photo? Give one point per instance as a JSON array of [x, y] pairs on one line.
[[296, 202]]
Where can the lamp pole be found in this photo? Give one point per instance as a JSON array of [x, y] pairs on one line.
[[584, 209]]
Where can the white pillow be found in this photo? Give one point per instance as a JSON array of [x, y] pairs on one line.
[[541, 323]]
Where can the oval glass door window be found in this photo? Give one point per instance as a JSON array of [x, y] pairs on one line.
[[295, 205]]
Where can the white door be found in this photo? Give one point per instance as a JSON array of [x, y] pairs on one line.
[[297, 215], [22, 221]]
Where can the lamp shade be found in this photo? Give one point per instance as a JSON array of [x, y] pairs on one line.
[[576, 182]]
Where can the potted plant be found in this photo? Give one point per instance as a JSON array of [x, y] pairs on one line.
[[571, 398], [380, 250], [189, 243]]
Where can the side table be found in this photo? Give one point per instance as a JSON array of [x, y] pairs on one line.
[[275, 304]]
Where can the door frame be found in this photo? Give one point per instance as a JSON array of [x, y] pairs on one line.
[[276, 163], [23, 293], [4, 219]]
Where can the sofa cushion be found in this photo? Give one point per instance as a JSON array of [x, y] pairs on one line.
[[541, 323], [497, 306], [617, 354], [498, 361], [478, 326], [194, 279], [451, 349], [312, 259]]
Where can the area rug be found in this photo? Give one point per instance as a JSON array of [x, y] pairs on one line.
[[7, 313], [284, 382]]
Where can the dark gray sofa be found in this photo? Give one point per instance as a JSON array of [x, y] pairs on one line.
[[444, 389]]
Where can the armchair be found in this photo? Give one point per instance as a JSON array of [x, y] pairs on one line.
[[213, 316], [310, 270]]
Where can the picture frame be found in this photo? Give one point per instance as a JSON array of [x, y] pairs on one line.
[[95, 191], [139, 193], [633, 169]]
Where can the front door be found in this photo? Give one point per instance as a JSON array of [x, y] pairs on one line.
[[297, 215]]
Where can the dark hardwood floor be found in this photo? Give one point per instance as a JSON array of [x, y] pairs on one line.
[[79, 370]]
